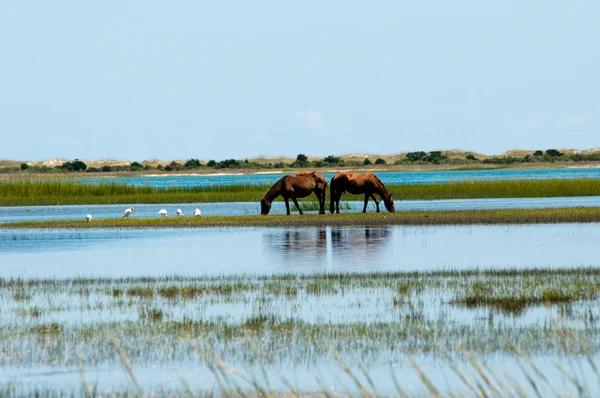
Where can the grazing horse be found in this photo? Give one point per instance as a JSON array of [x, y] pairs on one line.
[[292, 187], [357, 184]]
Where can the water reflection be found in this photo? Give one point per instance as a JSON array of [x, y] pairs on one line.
[[115, 252], [358, 242], [327, 248], [297, 247]]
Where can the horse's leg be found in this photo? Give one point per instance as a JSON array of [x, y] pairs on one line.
[[366, 202], [322, 201], [331, 199], [297, 205], [287, 205], [376, 201], [338, 196]]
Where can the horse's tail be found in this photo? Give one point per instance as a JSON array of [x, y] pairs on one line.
[[333, 194]]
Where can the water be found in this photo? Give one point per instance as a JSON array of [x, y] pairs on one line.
[[156, 252], [58, 253], [78, 212], [394, 177]]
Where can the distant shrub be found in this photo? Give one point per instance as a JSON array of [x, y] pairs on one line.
[[380, 161], [173, 166], [331, 159], [366, 162], [436, 157], [78, 165], [554, 153], [416, 156], [135, 166], [192, 164]]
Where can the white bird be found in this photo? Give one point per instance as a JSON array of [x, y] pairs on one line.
[[127, 213], [88, 218], [163, 212], [179, 213], [197, 213]]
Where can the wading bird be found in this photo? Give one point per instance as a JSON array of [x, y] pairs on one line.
[[162, 212], [179, 213], [88, 218], [127, 213], [197, 213]]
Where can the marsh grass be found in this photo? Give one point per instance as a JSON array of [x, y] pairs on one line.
[[275, 332], [438, 217], [64, 191]]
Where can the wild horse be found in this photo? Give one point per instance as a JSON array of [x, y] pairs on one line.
[[357, 184], [298, 186]]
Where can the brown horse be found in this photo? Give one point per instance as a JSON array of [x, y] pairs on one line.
[[357, 184], [298, 186]]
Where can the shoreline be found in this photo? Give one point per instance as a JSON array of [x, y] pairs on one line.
[[438, 217], [267, 171]]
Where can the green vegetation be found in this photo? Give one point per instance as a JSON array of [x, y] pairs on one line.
[[349, 323], [59, 191], [549, 156], [450, 217]]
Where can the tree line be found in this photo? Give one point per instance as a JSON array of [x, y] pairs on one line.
[[417, 157]]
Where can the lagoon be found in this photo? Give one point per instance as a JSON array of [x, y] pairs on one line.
[[49, 253]]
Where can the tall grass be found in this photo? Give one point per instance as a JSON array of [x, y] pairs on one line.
[[498, 189], [62, 191]]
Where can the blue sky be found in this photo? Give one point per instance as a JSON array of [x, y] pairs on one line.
[[142, 80]]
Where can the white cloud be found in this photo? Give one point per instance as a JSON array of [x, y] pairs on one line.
[[578, 120], [312, 119]]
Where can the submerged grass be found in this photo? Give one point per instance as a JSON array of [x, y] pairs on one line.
[[64, 191], [438, 217], [364, 320]]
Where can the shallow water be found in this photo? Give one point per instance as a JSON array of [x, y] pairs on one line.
[[393, 177], [54, 253], [75, 212], [154, 252], [162, 379]]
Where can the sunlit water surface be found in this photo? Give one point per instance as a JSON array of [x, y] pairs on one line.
[[155, 252], [230, 177], [79, 212], [57, 253]]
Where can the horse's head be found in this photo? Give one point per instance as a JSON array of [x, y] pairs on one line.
[[388, 201], [265, 206]]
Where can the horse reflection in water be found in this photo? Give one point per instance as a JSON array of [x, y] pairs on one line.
[[298, 245], [347, 245], [358, 244]]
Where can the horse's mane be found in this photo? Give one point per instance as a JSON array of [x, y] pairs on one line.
[[380, 183], [274, 191]]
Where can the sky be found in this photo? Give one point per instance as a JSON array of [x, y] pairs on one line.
[[142, 80]]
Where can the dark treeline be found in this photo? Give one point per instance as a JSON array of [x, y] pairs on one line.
[[416, 158]]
